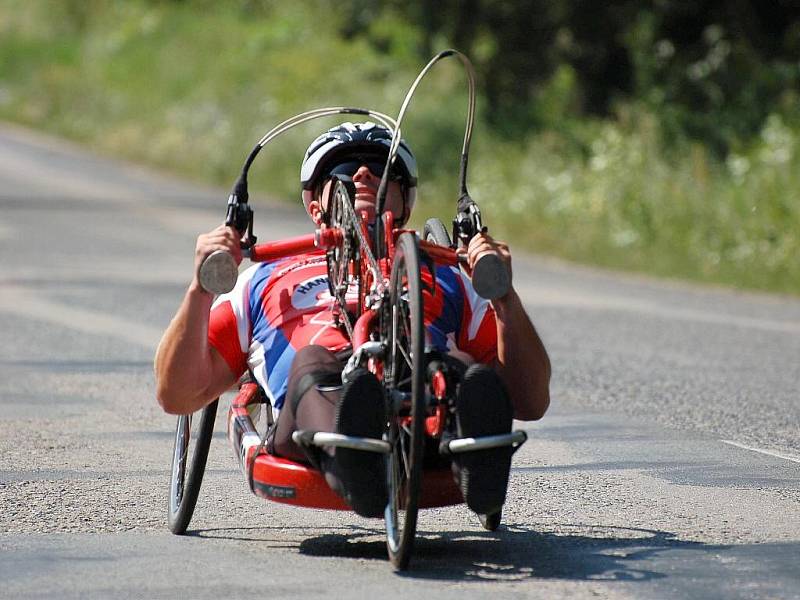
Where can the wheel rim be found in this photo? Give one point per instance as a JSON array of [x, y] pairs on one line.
[[403, 379], [183, 433], [193, 435], [399, 471]]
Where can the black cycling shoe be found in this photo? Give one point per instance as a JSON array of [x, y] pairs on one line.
[[361, 412], [491, 521], [483, 408]]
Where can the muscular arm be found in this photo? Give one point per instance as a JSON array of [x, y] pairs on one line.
[[522, 360], [190, 373]]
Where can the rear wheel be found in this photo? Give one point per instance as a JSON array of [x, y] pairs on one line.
[[192, 441], [435, 231], [403, 331]]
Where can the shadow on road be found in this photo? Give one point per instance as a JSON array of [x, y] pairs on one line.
[[275, 536], [517, 552], [567, 552]]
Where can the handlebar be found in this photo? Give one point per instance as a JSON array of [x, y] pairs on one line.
[[219, 271]]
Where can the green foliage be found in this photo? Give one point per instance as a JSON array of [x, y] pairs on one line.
[[629, 206], [710, 70], [191, 85]]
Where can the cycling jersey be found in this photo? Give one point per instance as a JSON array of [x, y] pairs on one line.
[[280, 306]]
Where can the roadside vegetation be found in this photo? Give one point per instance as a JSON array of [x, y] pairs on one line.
[[640, 176]]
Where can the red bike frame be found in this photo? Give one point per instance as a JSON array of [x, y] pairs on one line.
[[289, 482]]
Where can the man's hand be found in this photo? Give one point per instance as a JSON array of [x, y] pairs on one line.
[[482, 245], [222, 238]]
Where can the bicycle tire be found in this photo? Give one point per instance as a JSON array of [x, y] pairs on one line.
[[435, 231], [404, 377], [184, 488]]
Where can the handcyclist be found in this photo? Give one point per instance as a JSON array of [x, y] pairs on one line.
[[277, 323]]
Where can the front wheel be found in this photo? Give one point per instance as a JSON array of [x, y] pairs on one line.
[[191, 450], [402, 329]]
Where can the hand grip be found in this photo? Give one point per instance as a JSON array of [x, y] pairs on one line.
[[218, 272], [490, 277]]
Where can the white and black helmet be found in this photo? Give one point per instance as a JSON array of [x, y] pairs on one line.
[[356, 141]]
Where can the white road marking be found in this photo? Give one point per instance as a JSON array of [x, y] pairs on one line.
[[793, 459]]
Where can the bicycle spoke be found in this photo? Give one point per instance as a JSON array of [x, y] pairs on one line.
[[406, 357], [404, 454], [398, 486]]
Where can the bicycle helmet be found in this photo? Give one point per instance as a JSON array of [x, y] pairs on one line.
[[362, 141]]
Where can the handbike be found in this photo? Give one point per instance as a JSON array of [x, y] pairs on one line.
[[392, 270]]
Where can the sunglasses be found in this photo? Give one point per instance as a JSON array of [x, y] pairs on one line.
[[349, 169]]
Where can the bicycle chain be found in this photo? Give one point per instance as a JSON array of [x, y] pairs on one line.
[[349, 215], [363, 242]]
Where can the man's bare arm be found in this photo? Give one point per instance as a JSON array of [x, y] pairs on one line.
[[190, 373], [522, 360]]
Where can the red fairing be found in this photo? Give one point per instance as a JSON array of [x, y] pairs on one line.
[[288, 482]]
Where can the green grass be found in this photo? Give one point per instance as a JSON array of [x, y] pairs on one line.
[[190, 86]]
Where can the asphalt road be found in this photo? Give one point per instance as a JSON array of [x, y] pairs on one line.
[[667, 467]]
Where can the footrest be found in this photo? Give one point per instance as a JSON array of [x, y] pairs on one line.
[[337, 440], [458, 445]]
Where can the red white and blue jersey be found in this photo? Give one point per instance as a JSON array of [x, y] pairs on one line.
[[278, 307]]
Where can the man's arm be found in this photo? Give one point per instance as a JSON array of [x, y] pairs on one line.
[[190, 373], [522, 360]]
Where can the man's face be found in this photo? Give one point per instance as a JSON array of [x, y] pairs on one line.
[[366, 183]]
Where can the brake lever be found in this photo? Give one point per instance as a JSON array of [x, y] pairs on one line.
[[467, 223], [219, 271], [490, 277], [239, 215]]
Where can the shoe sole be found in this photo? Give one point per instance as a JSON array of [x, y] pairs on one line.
[[483, 408], [363, 473]]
